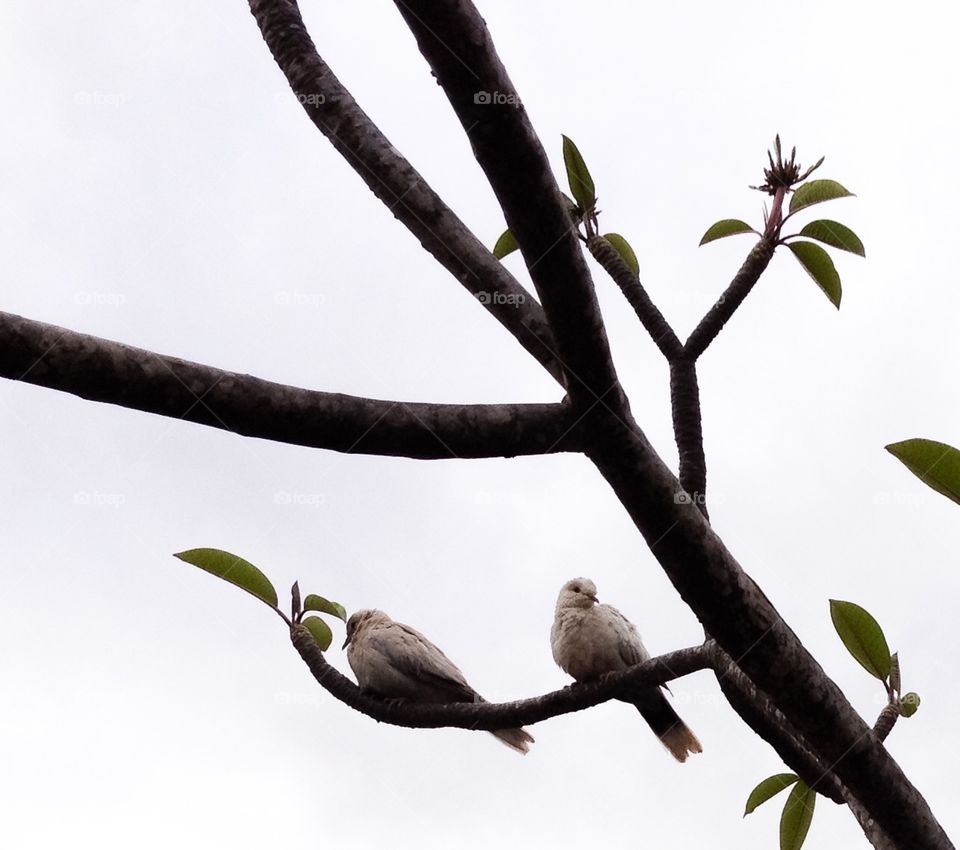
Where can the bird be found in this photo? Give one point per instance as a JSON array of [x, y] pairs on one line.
[[394, 661], [589, 640]]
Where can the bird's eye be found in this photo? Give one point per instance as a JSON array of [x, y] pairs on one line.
[[576, 588]]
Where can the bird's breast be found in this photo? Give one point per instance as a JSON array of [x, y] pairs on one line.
[[583, 647]]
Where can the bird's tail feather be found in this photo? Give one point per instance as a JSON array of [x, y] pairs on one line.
[[681, 741], [673, 733], [517, 739]]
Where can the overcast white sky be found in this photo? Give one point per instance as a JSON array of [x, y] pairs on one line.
[[162, 187]]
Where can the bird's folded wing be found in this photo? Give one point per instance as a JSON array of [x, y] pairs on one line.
[[411, 653], [629, 645]]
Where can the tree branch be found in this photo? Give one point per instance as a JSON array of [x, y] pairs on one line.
[[647, 312], [736, 613], [397, 183], [761, 715], [871, 829], [114, 373], [488, 716], [688, 430], [456, 43], [719, 314], [886, 720]]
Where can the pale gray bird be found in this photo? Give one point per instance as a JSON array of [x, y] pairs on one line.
[[393, 661], [590, 639]]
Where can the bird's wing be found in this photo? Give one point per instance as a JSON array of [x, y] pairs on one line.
[[629, 645], [410, 653]]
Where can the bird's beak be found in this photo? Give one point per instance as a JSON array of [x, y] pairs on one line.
[[593, 596], [345, 642]]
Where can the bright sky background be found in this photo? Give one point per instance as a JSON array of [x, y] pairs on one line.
[[163, 188]]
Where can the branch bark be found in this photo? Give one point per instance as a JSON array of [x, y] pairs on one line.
[[745, 279], [114, 373], [488, 716], [688, 430], [398, 184], [745, 625], [457, 45], [647, 312], [734, 611], [758, 711]]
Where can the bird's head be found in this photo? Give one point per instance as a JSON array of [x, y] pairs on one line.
[[359, 620], [578, 593]]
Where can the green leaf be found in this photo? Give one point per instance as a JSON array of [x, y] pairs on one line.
[[909, 704], [233, 569], [835, 234], [817, 263], [506, 244], [622, 247], [936, 464], [318, 603], [797, 816], [320, 631], [725, 227], [770, 787], [862, 636], [816, 192], [578, 176]]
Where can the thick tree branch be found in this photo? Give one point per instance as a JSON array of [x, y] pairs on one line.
[[718, 315], [456, 43], [736, 613], [395, 181], [871, 829], [487, 716], [111, 372], [759, 713]]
